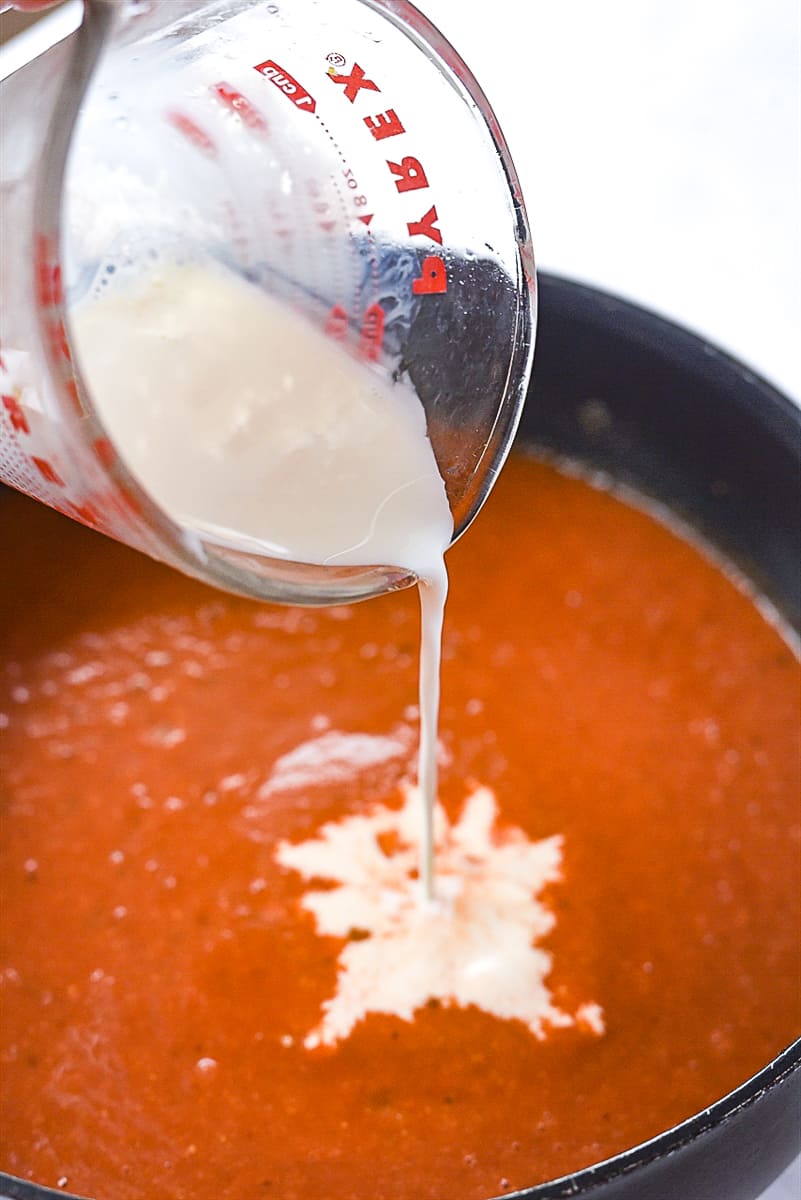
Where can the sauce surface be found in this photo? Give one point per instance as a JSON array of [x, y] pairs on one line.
[[158, 974]]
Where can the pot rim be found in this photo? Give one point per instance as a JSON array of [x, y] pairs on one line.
[[716, 1115], [580, 1183]]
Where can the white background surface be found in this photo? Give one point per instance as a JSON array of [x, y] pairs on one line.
[[659, 150]]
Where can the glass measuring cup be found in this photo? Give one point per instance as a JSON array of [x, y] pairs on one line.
[[338, 154]]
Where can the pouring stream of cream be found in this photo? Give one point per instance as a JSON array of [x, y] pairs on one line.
[[246, 425]]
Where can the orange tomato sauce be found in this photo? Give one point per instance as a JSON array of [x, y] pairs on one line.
[[157, 974]]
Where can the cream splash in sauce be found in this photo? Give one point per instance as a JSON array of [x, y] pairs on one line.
[[247, 426], [476, 944]]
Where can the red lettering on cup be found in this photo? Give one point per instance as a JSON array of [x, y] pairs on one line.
[[192, 132], [433, 279], [239, 104], [372, 337], [287, 85], [384, 125], [47, 471], [426, 226], [354, 82], [337, 324], [19, 422], [410, 174]]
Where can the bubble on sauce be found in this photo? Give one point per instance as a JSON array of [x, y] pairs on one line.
[[206, 1065], [112, 690], [61, 659], [444, 755], [158, 658], [139, 682], [659, 689], [727, 769], [20, 694], [36, 729], [118, 712], [503, 654], [165, 736], [63, 750], [340, 612], [85, 673], [266, 619], [707, 728], [232, 783]]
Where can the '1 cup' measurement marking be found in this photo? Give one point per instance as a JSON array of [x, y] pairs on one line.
[[287, 85]]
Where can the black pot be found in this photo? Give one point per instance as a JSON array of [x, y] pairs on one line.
[[623, 390]]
